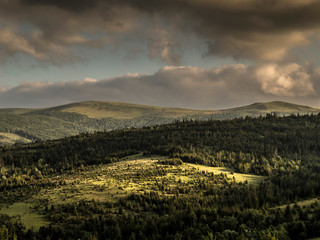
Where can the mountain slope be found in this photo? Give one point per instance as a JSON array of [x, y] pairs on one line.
[[117, 110], [72, 119], [257, 109]]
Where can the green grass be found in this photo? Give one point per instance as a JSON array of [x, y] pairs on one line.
[[11, 138], [239, 177], [104, 183], [301, 203], [112, 181], [30, 217]]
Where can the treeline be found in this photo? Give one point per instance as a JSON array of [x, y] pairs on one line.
[[250, 145], [150, 216], [273, 146], [185, 218]]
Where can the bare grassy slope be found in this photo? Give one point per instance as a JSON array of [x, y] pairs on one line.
[[96, 109], [11, 138], [117, 110]]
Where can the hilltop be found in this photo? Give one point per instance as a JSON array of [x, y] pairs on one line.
[[118, 110], [262, 108], [24, 125]]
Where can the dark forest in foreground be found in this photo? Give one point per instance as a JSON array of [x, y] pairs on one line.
[[284, 149]]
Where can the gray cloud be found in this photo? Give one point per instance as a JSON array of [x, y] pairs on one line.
[[71, 5], [189, 87], [267, 31], [55, 33], [253, 29]]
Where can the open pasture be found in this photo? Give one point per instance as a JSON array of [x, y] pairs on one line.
[[110, 182]]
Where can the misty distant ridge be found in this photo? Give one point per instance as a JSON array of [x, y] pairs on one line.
[[25, 125]]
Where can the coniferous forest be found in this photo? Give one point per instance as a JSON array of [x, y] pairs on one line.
[[284, 204]]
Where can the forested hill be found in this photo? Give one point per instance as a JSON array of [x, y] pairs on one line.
[[25, 125], [286, 150], [261, 145]]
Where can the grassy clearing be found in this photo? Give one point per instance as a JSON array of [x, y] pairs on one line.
[[239, 177], [303, 203], [134, 174], [30, 217], [103, 183], [11, 138], [110, 182]]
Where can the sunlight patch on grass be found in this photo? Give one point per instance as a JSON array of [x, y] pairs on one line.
[[301, 203], [25, 211], [11, 138], [133, 174], [239, 177]]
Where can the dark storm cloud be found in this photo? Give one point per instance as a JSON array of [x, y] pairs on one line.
[[54, 33], [189, 87], [254, 29], [72, 5], [250, 29]]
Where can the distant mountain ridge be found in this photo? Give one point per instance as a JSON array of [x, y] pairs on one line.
[[25, 125]]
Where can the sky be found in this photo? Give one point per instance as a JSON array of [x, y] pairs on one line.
[[204, 54]]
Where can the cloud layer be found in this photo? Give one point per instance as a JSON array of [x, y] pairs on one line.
[[50, 30], [264, 33], [189, 87]]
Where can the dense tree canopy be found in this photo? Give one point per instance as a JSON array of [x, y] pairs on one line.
[[285, 149]]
